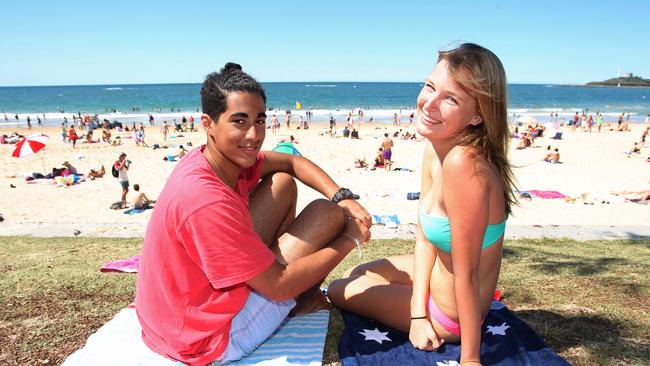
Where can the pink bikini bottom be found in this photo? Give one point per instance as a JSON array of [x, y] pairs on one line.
[[449, 324]]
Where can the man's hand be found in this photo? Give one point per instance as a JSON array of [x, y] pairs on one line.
[[352, 208], [356, 229]]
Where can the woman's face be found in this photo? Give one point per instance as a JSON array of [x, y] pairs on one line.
[[444, 108], [239, 132]]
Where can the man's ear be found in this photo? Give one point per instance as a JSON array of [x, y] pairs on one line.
[[206, 121], [477, 120]]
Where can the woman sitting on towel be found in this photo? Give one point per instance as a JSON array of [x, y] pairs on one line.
[[442, 293]]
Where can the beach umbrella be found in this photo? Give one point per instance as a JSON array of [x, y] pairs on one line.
[[30, 145], [527, 120]]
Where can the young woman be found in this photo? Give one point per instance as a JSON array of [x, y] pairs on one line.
[[225, 258], [443, 291]]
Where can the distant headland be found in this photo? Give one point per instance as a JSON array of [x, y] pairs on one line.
[[625, 80]]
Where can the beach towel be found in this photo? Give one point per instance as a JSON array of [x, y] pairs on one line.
[[506, 341], [130, 265], [546, 194], [298, 341], [388, 220], [134, 211], [413, 196]]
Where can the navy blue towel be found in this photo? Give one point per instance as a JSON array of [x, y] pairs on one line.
[[506, 340]]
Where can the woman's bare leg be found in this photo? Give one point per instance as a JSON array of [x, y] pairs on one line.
[[380, 290]]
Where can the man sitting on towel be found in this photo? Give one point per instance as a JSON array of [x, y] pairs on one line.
[[225, 259]]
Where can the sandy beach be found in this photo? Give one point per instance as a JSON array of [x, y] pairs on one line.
[[592, 163]]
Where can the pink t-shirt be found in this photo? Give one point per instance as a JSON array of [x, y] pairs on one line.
[[199, 249]]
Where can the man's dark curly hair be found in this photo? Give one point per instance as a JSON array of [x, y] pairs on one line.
[[218, 85]]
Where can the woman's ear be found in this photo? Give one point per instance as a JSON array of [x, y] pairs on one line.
[[477, 120]]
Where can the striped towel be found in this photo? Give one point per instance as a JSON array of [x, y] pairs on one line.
[[298, 341]]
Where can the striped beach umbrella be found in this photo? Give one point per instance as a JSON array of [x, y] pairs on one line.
[[30, 145]]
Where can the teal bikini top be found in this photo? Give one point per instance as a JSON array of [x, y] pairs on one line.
[[438, 232]]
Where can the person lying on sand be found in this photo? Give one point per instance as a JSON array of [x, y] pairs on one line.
[[96, 173]]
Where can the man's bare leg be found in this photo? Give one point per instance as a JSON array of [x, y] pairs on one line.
[[273, 208]]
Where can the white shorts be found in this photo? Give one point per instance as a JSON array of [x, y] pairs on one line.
[[254, 323]]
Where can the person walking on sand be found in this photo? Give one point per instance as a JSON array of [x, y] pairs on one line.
[[275, 125], [599, 121], [164, 130], [72, 136], [122, 166], [288, 119], [64, 132], [225, 258], [442, 293], [387, 145]]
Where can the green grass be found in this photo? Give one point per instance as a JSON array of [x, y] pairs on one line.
[[590, 301]]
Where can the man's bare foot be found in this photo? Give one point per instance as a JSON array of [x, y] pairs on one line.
[[310, 301]]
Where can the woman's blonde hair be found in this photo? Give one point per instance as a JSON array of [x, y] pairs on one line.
[[481, 73]]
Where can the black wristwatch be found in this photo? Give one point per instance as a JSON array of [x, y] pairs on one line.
[[344, 194]]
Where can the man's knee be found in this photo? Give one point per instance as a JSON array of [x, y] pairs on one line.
[[280, 184], [328, 212], [285, 182]]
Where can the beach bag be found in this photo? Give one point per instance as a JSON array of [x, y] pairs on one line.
[[115, 172]]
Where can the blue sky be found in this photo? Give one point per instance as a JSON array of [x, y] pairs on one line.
[[115, 42]]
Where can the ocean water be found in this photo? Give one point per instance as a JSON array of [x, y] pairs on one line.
[[378, 100]]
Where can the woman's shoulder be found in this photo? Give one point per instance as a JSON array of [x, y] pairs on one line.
[[464, 163], [461, 157]]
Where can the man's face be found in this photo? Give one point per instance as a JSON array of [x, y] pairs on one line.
[[239, 132]]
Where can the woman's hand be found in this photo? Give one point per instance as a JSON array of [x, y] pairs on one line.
[[423, 336], [352, 208]]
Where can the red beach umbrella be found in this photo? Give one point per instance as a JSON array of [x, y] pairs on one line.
[[30, 145]]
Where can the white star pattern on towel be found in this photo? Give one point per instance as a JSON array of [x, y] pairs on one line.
[[497, 330], [375, 335], [448, 363]]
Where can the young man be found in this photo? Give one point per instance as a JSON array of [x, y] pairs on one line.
[[141, 201], [225, 258], [387, 145], [122, 166]]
